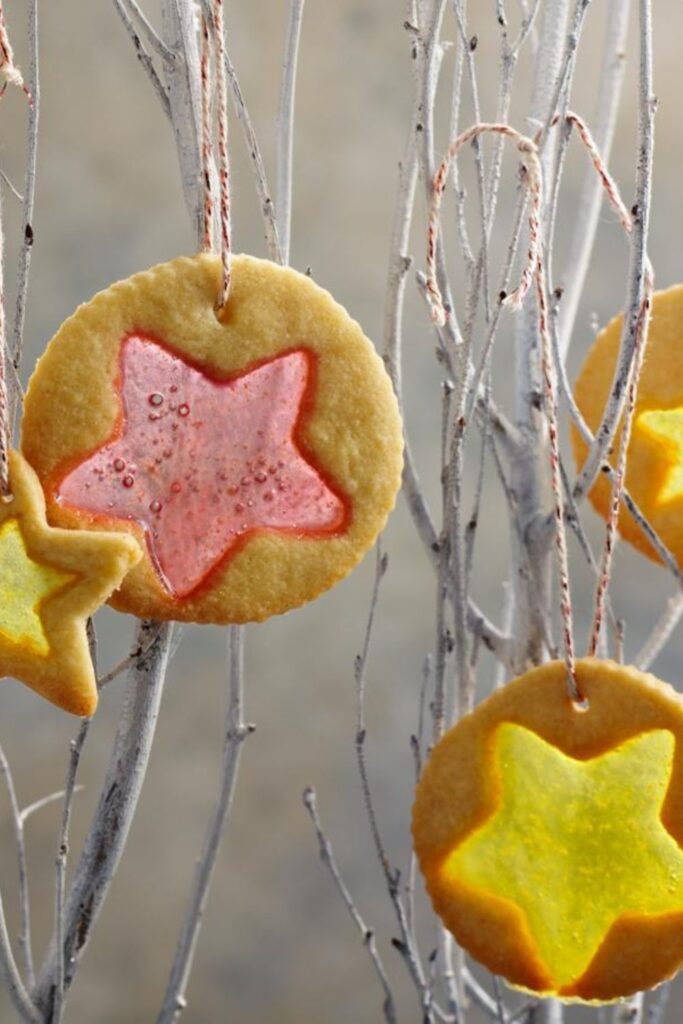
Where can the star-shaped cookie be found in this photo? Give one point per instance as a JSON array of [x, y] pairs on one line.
[[51, 581], [201, 463], [576, 844], [551, 837], [255, 455]]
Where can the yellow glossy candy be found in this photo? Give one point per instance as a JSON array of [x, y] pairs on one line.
[[551, 838], [654, 476], [24, 584], [559, 823], [51, 581]]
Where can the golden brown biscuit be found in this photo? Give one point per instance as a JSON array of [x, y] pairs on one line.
[[256, 459], [550, 837], [51, 580], [654, 476]]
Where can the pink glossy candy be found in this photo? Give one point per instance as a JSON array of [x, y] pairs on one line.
[[200, 463]]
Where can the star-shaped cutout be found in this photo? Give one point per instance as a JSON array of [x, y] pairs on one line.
[[574, 845], [51, 581], [665, 426], [20, 575], [202, 463]]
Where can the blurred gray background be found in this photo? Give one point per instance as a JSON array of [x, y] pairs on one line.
[[277, 944]]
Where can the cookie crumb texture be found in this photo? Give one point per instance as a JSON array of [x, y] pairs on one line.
[[550, 838], [255, 458]]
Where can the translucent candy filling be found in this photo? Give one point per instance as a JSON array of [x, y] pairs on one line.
[[201, 463], [23, 585]]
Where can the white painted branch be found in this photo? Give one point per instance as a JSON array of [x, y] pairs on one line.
[[235, 733], [285, 126], [590, 200], [18, 819], [184, 93], [26, 250], [367, 934], [21, 1000], [123, 11], [112, 819], [638, 268]]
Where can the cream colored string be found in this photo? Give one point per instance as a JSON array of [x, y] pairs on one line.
[[533, 271]]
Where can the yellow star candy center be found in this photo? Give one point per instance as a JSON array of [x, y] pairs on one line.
[[24, 584], [575, 844], [666, 427]]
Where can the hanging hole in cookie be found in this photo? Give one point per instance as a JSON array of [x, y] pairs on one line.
[[581, 704]]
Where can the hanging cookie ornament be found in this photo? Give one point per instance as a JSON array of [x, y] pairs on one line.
[[228, 414], [51, 581], [550, 838], [548, 822], [654, 477]]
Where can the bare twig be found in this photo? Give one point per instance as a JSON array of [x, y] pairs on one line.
[[585, 216], [257, 165], [638, 269], [150, 33], [114, 813], [26, 250], [45, 801], [20, 998], [630, 1011], [367, 934], [123, 9], [661, 632], [24, 906], [285, 126], [236, 731]]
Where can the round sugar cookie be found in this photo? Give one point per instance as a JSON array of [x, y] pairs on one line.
[[654, 473], [550, 837], [255, 458]]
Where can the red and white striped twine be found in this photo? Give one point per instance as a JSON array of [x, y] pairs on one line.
[[527, 148], [533, 272], [612, 193], [550, 391], [223, 163], [205, 73], [215, 37], [8, 69]]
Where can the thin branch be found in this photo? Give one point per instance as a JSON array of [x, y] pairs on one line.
[[25, 908], [24, 266], [236, 731], [45, 801], [367, 934], [638, 269], [585, 216], [152, 36], [630, 1011], [257, 165], [111, 822], [285, 126], [124, 13], [661, 633], [657, 1008], [20, 998], [8, 182]]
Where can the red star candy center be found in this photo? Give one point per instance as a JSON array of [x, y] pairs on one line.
[[201, 463]]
